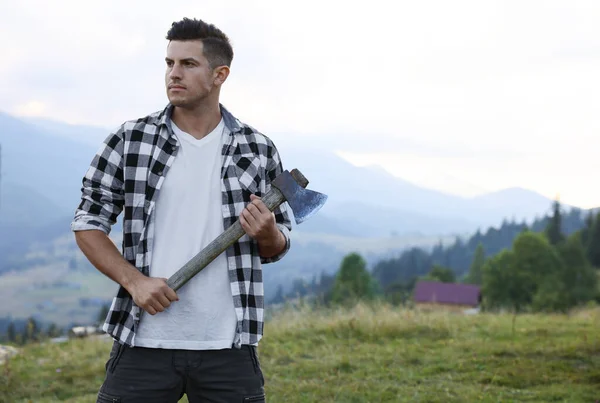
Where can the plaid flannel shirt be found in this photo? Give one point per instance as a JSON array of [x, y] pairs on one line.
[[126, 175]]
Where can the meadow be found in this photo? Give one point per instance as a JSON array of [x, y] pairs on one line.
[[370, 354]]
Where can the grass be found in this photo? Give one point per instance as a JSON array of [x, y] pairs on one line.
[[380, 354]]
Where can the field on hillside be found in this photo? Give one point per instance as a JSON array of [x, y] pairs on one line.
[[47, 287], [380, 354]]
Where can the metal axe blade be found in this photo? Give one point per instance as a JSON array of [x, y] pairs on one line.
[[304, 203]]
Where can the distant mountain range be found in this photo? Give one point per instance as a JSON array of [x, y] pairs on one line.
[[43, 162], [48, 159], [368, 210]]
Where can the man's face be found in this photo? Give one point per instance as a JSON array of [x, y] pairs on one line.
[[189, 79]]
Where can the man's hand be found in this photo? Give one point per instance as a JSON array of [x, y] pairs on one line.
[[259, 223], [152, 294]]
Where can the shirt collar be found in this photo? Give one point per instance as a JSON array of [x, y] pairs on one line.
[[231, 122]]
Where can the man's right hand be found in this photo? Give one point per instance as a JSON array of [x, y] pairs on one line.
[[152, 294]]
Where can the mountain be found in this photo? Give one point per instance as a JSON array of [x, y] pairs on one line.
[[27, 216], [375, 221], [23, 205], [368, 210], [379, 202], [367, 188], [49, 158], [51, 165], [519, 202], [90, 135]]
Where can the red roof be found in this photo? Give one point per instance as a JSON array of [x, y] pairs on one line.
[[447, 293]]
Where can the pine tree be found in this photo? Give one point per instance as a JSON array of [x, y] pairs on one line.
[[476, 269], [32, 330], [578, 276], [593, 243], [586, 231], [11, 332], [554, 228]]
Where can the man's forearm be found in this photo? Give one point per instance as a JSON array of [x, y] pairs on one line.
[[105, 256], [273, 245]]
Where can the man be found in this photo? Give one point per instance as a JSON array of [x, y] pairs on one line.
[[180, 177]]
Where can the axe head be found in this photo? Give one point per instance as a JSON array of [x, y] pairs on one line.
[[304, 203]]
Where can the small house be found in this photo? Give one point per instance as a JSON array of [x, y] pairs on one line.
[[432, 295]]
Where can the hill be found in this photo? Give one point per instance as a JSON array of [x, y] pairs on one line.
[[42, 161], [383, 354]]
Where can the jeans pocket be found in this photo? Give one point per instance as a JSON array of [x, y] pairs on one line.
[[106, 398], [256, 363], [116, 357], [255, 398]]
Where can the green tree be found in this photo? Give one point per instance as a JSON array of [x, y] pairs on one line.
[[593, 243], [11, 332], [551, 295], [578, 276], [513, 277], [554, 228], [475, 275], [353, 282], [535, 256], [53, 330], [503, 286], [442, 274], [32, 330], [396, 294], [587, 228]]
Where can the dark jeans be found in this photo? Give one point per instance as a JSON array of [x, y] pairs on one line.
[[155, 375]]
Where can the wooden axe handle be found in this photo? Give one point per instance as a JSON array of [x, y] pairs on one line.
[[272, 200]]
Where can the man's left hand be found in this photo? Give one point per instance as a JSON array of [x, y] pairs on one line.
[[258, 221]]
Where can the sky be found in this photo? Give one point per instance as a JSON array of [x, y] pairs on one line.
[[466, 97]]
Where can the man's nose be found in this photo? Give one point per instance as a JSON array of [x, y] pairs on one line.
[[175, 72]]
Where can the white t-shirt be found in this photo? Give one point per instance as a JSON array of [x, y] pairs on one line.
[[188, 216]]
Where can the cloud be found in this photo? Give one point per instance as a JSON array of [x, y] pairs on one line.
[[460, 88], [32, 108]]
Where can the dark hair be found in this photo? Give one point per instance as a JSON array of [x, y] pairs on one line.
[[217, 48]]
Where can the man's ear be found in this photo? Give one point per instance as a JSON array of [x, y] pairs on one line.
[[220, 74]]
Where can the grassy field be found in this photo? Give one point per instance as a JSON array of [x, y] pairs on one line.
[[382, 354]]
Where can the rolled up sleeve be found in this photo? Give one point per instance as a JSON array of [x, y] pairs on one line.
[[282, 217], [102, 193]]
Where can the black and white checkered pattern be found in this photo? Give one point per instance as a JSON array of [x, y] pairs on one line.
[[125, 177]]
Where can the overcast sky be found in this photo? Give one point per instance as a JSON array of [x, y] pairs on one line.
[[465, 97]]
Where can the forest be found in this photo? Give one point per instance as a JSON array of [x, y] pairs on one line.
[[550, 265]]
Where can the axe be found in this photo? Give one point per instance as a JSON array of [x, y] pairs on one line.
[[288, 186]]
